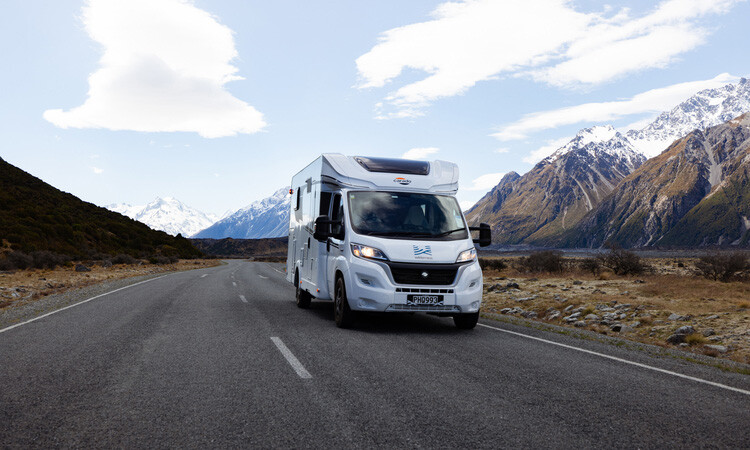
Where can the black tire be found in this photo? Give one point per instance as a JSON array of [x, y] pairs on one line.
[[466, 321], [303, 297], [342, 314]]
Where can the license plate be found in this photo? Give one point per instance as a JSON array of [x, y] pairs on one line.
[[414, 299]]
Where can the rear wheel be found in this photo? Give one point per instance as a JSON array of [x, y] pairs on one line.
[[303, 297], [466, 321], [342, 314]]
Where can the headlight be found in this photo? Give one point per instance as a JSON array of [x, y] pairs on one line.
[[467, 255], [363, 251]]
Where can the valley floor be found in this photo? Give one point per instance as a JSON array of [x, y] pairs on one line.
[[670, 307]]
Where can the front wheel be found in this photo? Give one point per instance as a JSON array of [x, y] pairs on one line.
[[342, 314], [466, 321]]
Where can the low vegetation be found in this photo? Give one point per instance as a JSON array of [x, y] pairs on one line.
[[724, 266], [644, 299]]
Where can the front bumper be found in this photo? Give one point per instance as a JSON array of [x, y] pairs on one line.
[[371, 287]]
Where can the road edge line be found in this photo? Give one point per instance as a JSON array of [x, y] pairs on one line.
[[622, 360], [79, 303]]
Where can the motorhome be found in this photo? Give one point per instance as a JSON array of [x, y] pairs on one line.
[[383, 235]]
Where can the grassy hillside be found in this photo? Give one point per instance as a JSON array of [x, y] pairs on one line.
[[35, 216]]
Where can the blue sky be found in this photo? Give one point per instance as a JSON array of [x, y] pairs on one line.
[[218, 103]]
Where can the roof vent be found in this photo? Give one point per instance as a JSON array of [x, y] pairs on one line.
[[392, 165]]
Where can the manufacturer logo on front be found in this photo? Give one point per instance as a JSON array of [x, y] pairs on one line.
[[401, 180], [420, 250]]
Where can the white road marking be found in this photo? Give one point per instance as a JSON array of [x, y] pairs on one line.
[[242, 297], [291, 359], [265, 278], [234, 284], [277, 270], [614, 358], [76, 304], [204, 275]]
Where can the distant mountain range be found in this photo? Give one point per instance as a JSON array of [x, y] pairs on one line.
[[38, 217], [546, 205], [167, 214], [267, 218]]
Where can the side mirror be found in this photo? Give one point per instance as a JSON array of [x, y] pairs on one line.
[[485, 234], [322, 229]]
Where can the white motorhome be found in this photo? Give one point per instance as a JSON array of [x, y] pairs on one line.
[[383, 235]]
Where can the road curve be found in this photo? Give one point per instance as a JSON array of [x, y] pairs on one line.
[[222, 357]]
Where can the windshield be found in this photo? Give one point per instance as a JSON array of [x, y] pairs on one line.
[[406, 215]]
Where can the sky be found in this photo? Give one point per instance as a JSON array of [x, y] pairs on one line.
[[219, 102]]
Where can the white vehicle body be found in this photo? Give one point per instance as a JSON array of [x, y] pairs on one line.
[[419, 273]]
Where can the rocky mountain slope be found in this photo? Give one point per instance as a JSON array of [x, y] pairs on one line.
[[558, 191], [695, 193], [167, 214], [551, 199], [265, 218], [36, 216]]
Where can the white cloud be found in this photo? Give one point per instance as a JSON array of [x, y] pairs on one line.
[[485, 182], [549, 40], [546, 150], [97, 170], [163, 68], [653, 101], [502, 150], [420, 152]]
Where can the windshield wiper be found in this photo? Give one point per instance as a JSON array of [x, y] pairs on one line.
[[397, 233], [446, 233]]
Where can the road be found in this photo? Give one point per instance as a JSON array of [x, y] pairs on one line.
[[222, 357]]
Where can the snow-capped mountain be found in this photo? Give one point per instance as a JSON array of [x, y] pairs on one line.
[[602, 140], [559, 190], [167, 214], [262, 219], [705, 109]]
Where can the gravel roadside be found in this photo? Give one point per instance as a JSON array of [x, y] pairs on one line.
[[26, 310]]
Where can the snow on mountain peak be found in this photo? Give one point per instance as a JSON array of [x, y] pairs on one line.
[[706, 108], [595, 134], [167, 214]]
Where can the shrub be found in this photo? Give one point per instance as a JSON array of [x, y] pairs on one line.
[[591, 265], [44, 259], [16, 261], [544, 261], [161, 259], [723, 266], [123, 259], [492, 264], [621, 261]]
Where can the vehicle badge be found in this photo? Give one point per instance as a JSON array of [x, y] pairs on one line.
[[401, 180], [425, 250], [425, 274]]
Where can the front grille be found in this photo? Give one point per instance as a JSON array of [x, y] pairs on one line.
[[436, 274], [424, 308]]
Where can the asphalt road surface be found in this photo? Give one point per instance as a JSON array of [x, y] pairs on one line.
[[222, 357]]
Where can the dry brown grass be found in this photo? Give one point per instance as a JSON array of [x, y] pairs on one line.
[[671, 286], [32, 284]]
